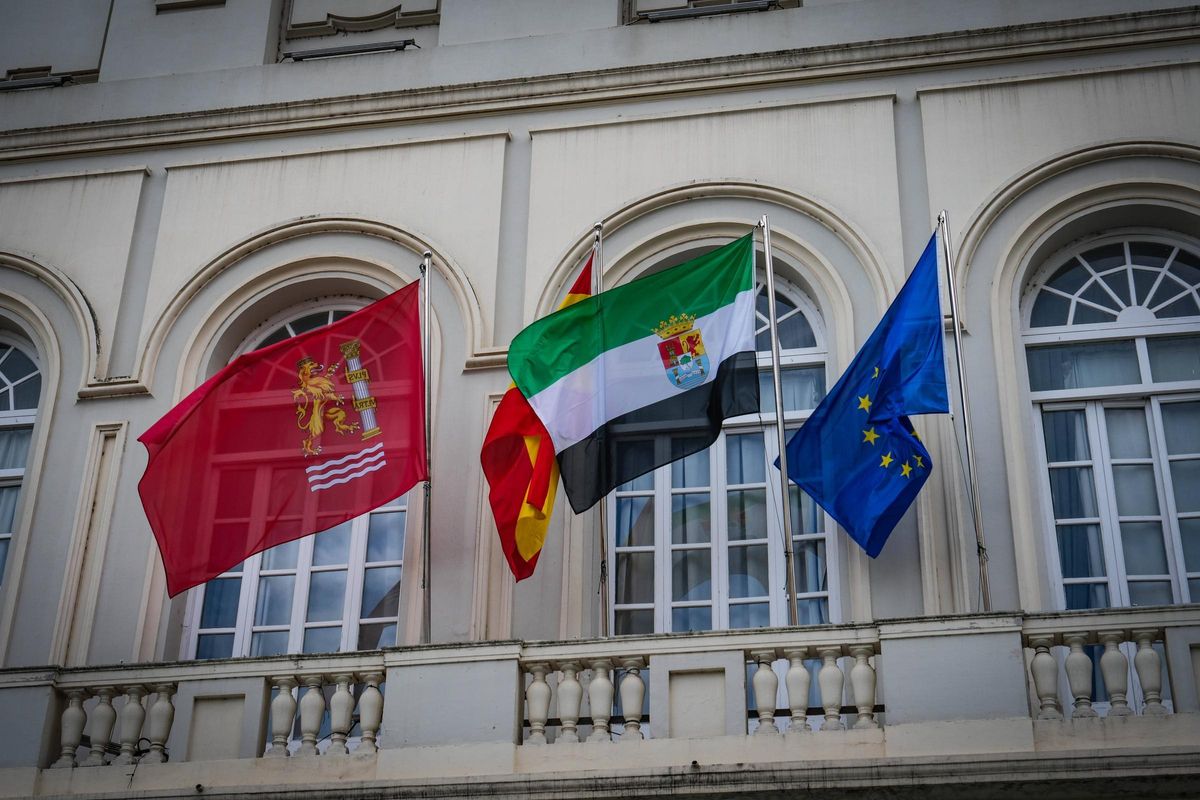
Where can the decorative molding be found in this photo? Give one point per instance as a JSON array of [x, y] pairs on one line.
[[822, 63], [313, 17]]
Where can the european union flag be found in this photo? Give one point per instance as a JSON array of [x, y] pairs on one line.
[[857, 455]]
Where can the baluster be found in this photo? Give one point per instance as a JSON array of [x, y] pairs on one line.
[[370, 712], [1044, 670], [766, 686], [1114, 666], [341, 715], [312, 711], [132, 717], [797, 681], [283, 713], [1079, 675], [162, 714], [537, 700], [1149, 672], [862, 679], [600, 699], [570, 696], [831, 681], [74, 718], [633, 692], [103, 719]]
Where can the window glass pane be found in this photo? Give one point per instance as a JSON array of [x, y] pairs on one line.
[[1174, 358], [8, 507], [697, 618], [803, 388], [1194, 588], [372, 636], [1078, 366], [322, 640], [1089, 315], [1181, 426], [281, 556], [1185, 306], [1189, 532], [385, 536], [268, 643], [635, 521], [633, 458], [326, 596], [1073, 492], [1106, 256], [310, 322], [1143, 284], [747, 512], [1150, 593], [1070, 277], [214, 645], [748, 574], [1095, 293], [1127, 433], [632, 621], [691, 575], [1049, 309], [744, 459], [689, 471], [1150, 254], [27, 392], [1136, 493], [794, 332], [381, 592], [690, 518], [14, 447], [17, 365], [274, 604], [1117, 282], [1142, 543], [807, 516], [332, 546], [635, 578], [809, 561], [276, 336], [750, 615], [1185, 476], [813, 611], [220, 603], [3, 556], [1082, 596], [1066, 435], [1080, 551]]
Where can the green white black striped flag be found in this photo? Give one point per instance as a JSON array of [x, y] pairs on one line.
[[643, 374]]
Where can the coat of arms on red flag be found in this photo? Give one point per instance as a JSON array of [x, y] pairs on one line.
[[228, 474]]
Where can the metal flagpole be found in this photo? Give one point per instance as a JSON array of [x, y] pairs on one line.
[[597, 288], [973, 480], [790, 577], [426, 581]]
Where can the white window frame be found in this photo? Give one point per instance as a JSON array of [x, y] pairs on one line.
[[252, 569], [18, 418]]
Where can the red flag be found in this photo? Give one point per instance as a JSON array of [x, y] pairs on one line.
[[519, 464], [288, 440]]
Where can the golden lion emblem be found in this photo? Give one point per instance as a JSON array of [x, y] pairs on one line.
[[318, 402]]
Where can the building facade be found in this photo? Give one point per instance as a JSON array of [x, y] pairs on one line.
[[182, 181]]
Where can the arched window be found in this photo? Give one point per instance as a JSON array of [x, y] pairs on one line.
[[338, 590], [20, 389], [1112, 342], [698, 543]]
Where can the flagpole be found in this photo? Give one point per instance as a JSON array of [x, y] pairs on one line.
[[790, 577], [426, 578], [973, 480], [597, 288]]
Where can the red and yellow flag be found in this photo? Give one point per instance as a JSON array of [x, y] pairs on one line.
[[521, 471]]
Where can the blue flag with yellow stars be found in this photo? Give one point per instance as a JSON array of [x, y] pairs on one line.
[[858, 455]]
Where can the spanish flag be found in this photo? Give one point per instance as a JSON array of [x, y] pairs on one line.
[[520, 466]]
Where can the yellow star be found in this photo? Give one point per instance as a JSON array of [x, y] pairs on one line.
[[876, 373], [905, 469], [864, 402], [869, 436], [920, 461], [915, 436], [886, 461]]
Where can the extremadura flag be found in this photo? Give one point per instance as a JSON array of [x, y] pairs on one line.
[[645, 373]]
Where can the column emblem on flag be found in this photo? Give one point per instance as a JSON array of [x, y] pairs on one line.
[[682, 351]]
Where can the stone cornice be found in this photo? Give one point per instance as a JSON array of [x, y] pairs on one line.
[[868, 58]]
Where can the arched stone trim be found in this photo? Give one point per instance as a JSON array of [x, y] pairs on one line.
[[75, 302], [477, 326], [26, 314], [1030, 241]]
